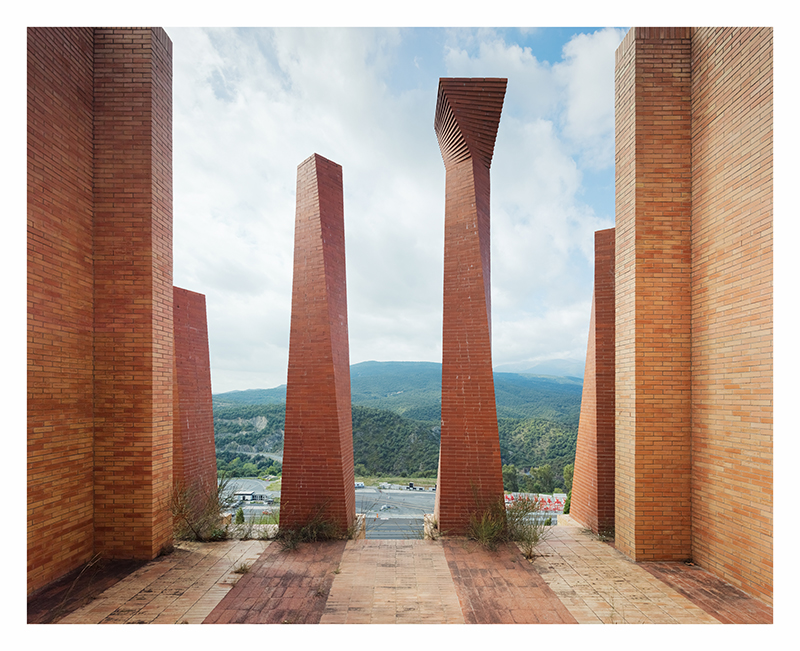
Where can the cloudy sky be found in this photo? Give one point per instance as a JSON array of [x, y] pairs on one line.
[[251, 104]]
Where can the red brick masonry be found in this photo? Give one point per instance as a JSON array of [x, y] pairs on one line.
[[592, 502], [694, 300], [194, 463], [470, 474], [100, 338], [318, 477]]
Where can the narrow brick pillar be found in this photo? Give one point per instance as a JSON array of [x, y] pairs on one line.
[[470, 471], [194, 465], [133, 331], [653, 288], [60, 302], [318, 479], [592, 502]]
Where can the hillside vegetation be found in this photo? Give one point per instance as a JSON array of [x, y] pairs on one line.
[[397, 418]]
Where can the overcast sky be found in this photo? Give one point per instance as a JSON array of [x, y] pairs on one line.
[[251, 104]]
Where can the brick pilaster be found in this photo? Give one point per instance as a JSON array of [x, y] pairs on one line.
[[653, 307], [133, 344]]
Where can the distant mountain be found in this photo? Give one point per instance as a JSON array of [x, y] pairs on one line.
[[413, 389], [556, 367]]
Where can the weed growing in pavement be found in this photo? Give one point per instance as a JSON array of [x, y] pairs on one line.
[[242, 568], [317, 529], [606, 535], [488, 527], [197, 510], [523, 523], [527, 525]]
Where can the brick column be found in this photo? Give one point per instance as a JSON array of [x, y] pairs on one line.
[[60, 302], [470, 472], [592, 502], [133, 343], [194, 465], [318, 477], [653, 284]]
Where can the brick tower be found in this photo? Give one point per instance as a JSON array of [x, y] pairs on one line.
[[593, 486], [318, 440], [470, 472], [100, 328]]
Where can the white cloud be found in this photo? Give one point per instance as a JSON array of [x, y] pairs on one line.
[[250, 105], [587, 76]]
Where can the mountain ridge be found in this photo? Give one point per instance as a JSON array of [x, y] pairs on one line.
[[413, 389]]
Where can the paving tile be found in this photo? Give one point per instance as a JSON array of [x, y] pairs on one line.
[[491, 585], [166, 589], [283, 586], [725, 602], [607, 586]]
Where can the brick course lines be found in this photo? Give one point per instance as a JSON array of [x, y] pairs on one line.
[[194, 463], [393, 582], [653, 305], [282, 587], [501, 587], [60, 302], [592, 501], [182, 587], [133, 342], [719, 599], [318, 476], [732, 305], [470, 475], [599, 585]]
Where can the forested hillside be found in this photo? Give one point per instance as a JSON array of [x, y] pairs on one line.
[[414, 390], [396, 423]]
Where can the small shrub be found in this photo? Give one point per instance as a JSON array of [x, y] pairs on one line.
[[528, 526], [489, 527], [523, 523], [197, 510], [239, 516], [317, 529]]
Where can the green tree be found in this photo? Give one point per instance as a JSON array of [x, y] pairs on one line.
[[239, 516], [545, 478], [568, 472], [510, 479]]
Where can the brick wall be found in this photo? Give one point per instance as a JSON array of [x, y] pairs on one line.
[[592, 502], [694, 300], [100, 357], [194, 464], [318, 473], [732, 305], [133, 344], [470, 472], [60, 302]]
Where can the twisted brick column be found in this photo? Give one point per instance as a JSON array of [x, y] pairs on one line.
[[470, 472], [318, 435]]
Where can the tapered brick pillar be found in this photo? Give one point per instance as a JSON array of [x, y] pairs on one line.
[[470, 471], [653, 294], [592, 502], [133, 335], [194, 465], [318, 478]]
